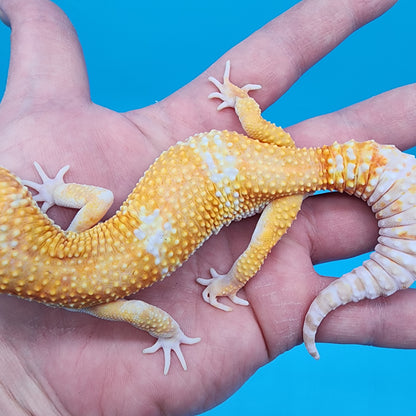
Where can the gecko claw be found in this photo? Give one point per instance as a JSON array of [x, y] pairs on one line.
[[238, 301], [251, 87]]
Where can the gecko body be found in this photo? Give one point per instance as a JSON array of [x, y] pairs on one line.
[[156, 229], [190, 192]]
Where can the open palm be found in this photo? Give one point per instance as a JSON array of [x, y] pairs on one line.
[[68, 363]]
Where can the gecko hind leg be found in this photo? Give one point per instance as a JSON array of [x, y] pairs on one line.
[[92, 201], [151, 319]]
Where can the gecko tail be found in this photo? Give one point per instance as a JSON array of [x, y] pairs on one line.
[[369, 281], [390, 192]]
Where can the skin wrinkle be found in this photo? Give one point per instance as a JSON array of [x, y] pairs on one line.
[[308, 219], [380, 308], [267, 326], [18, 68], [383, 307], [287, 333], [258, 321], [316, 235], [341, 317], [147, 124], [10, 396], [352, 118], [407, 106], [298, 53], [366, 119], [83, 356], [294, 41], [23, 404], [362, 15], [337, 327], [290, 333]]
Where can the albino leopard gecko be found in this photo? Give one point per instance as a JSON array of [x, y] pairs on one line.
[[190, 192]]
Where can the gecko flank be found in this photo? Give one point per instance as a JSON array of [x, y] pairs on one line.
[[190, 192]]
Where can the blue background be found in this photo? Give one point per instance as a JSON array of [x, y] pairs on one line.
[[138, 53]]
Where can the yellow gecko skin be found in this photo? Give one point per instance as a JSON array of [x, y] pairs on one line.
[[190, 192]]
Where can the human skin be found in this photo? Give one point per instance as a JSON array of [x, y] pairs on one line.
[[57, 362]]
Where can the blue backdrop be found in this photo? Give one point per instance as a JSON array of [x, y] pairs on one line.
[[139, 52]]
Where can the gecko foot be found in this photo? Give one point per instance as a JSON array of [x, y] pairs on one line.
[[220, 285], [172, 344], [228, 92], [46, 189]]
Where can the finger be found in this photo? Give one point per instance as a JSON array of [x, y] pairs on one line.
[[386, 118], [343, 226], [334, 226], [46, 60], [384, 322], [289, 45], [282, 51], [4, 18]]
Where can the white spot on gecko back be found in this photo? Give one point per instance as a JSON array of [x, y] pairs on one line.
[[339, 160], [153, 232], [350, 171], [351, 154], [221, 166]]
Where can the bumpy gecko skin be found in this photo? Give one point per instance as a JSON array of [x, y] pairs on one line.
[[190, 192]]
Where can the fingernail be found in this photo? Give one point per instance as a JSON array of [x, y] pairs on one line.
[[4, 18]]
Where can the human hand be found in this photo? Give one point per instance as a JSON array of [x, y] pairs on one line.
[[46, 115]]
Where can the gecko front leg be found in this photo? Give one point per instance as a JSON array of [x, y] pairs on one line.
[[228, 92], [274, 221], [248, 111]]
